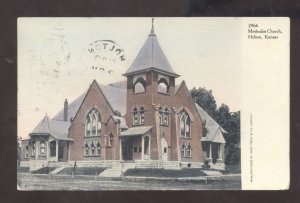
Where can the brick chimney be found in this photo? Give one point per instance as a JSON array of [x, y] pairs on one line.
[[66, 110]]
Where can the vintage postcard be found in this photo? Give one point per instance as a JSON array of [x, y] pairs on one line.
[[153, 103]]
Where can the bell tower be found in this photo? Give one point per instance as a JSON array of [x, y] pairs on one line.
[[150, 78], [150, 82]]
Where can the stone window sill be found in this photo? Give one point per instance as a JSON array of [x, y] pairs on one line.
[[188, 138], [92, 136], [92, 156]]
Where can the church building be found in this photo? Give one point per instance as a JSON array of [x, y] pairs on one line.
[[146, 120]]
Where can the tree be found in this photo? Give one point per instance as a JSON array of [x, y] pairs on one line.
[[230, 121], [205, 99]]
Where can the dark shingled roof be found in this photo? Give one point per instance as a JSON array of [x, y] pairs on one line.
[[57, 129], [151, 56], [214, 130]]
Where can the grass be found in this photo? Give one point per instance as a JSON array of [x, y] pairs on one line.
[[232, 169], [54, 182], [193, 172], [44, 170], [82, 171], [22, 169]]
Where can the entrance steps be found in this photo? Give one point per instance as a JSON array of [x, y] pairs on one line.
[[117, 169], [55, 171], [114, 171]]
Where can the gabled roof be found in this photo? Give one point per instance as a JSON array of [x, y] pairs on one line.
[[214, 130], [116, 97], [151, 56], [56, 128]]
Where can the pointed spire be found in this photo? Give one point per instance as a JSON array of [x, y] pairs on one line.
[[152, 28], [151, 56]]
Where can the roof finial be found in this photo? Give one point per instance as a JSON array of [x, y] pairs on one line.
[[152, 28]]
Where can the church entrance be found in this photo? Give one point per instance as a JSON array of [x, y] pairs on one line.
[[127, 150]]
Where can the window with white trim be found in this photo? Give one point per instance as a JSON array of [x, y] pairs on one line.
[[161, 113], [163, 116], [142, 115], [189, 151], [138, 116], [135, 116], [185, 125], [98, 149], [93, 149], [186, 150], [86, 149], [182, 150], [42, 148], [166, 116], [93, 123], [33, 149]]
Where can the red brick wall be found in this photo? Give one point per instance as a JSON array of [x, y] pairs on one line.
[[152, 97], [94, 99], [183, 98]]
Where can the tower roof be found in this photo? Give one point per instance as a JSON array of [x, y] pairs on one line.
[[151, 56]]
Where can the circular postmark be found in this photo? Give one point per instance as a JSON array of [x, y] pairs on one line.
[[105, 56]]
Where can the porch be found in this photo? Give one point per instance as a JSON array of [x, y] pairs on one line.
[[135, 144]]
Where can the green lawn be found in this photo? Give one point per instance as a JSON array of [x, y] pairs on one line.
[[188, 172], [44, 170], [82, 171]]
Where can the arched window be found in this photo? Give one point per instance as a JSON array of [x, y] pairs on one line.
[[88, 126], [33, 149], [111, 140], [182, 126], [93, 123], [161, 112], [142, 115], [163, 86], [166, 116], [182, 150], [42, 147], [185, 125], [92, 149], [86, 149], [139, 86], [189, 150], [135, 116], [26, 152], [98, 149], [99, 126]]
